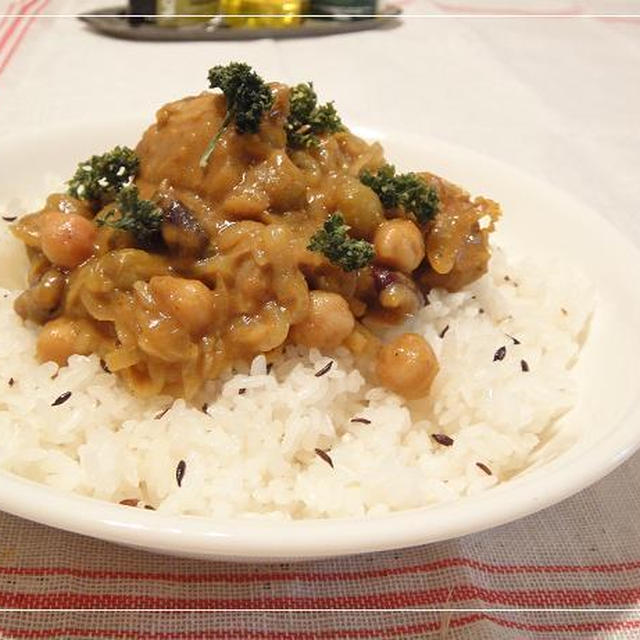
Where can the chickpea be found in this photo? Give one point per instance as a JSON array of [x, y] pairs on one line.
[[62, 337], [407, 365], [400, 298], [328, 323], [39, 301], [66, 238], [67, 204], [360, 207], [190, 302], [399, 244]]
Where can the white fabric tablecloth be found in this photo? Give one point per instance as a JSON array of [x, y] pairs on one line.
[[556, 97]]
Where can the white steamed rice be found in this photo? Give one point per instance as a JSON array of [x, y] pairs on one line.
[[253, 453]]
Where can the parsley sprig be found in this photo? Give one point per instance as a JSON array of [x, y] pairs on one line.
[[333, 241], [100, 178], [248, 98], [307, 120], [142, 218], [406, 190]]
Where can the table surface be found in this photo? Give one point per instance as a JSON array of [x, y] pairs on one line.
[[558, 97]]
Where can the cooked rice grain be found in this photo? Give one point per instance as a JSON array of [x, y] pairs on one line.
[[249, 444]]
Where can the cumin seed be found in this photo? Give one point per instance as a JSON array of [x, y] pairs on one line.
[[205, 407], [361, 420], [443, 439], [148, 506], [515, 340], [324, 369], [480, 310], [104, 367], [484, 467], [443, 333], [129, 502], [500, 354], [180, 469], [325, 456], [11, 382], [524, 365], [242, 391], [61, 399], [161, 413], [9, 218]]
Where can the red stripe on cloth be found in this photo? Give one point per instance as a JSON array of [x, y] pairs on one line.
[[329, 634], [16, 21], [430, 597], [231, 634], [284, 576], [21, 35], [5, 17], [573, 627]]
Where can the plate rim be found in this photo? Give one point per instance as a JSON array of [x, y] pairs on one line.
[[236, 539]]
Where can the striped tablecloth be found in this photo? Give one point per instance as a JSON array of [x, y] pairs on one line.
[[560, 98]]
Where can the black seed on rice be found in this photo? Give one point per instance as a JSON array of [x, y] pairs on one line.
[[161, 414], [524, 365], [180, 469], [324, 369], [361, 420], [484, 468], [507, 278], [148, 506], [480, 310], [443, 333], [515, 340], [269, 367], [9, 218], [564, 311], [443, 439], [325, 456], [205, 407], [242, 391], [103, 364], [500, 354], [130, 502], [11, 382], [61, 399]]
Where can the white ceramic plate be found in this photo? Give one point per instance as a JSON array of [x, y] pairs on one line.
[[594, 438]]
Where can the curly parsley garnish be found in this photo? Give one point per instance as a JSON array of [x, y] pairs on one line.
[[406, 190], [101, 178], [248, 98], [333, 241], [141, 217], [307, 120]]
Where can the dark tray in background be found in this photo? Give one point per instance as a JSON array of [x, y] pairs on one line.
[[114, 21]]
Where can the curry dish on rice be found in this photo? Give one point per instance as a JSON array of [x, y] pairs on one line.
[[245, 221]]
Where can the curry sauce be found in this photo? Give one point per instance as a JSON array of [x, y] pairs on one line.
[[231, 275]]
